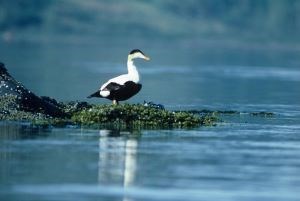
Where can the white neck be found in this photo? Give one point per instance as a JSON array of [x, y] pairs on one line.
[[132, 71]]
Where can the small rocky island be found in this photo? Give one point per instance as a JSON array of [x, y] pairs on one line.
[[17, 103]]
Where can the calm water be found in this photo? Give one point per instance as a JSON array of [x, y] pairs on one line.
[[243, 158]]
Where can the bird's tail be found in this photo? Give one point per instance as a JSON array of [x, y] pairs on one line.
[[96, 94]]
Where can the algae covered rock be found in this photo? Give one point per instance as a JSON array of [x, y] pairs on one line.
[[12, 111], [138, 115]]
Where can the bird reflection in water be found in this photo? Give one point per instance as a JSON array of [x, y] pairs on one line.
[[117, 159]]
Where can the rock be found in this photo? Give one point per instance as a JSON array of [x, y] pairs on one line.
[[154, 105], [140, 116], [25, 100]]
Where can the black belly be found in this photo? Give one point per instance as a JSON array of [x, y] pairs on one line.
[[123, 92]]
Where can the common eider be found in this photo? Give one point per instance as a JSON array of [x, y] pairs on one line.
[[124, 86]]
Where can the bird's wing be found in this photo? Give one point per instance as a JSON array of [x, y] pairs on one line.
[[112, 86], [118, 80]]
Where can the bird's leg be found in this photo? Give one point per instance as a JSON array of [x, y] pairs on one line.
[[115, 102]]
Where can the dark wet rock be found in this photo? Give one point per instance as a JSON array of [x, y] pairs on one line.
[[263, 114], [50, 100], [10, 110], [24, 99], [153, 105]]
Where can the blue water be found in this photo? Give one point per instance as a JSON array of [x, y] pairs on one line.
[[244, 157]]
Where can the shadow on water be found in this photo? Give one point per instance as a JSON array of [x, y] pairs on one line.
[[15, 131], [117, 159]]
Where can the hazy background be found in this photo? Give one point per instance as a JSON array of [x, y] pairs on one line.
[[66, 49], [242, 20]]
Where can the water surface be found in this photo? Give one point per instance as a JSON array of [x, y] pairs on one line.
[[243, 158]]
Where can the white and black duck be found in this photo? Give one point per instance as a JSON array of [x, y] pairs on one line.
[[125, 86]]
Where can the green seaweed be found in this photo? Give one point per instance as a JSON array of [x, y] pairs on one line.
[[139, 115]]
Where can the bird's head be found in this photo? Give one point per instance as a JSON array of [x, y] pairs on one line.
[[135, 54]]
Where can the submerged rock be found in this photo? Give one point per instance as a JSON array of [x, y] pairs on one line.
[[263, 114]]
